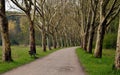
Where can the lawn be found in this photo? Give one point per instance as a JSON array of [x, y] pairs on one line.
[[97, 66], [20, 56]]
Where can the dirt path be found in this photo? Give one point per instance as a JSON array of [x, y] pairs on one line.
[[62, 62]]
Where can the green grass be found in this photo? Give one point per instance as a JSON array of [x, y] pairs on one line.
[[20, 56], [97, 66]]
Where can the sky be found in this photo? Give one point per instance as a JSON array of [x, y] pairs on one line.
[[10, 6]]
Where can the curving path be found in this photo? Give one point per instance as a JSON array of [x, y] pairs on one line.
[[62, 62]]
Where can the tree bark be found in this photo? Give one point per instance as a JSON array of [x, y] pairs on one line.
[[100, 32], [44, 41], [92, 26], [61, 42], [106, 17], [49, 42], [66, 41], [31, 34], [82, 42], [30, 15], [99, 41], [6, 50], [117, 56], [54, 41], [90, 41], [87, 30], [85, 41], [32, 37]]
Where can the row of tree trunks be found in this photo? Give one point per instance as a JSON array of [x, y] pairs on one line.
[[6, 50], [58, 43], [85, 12]]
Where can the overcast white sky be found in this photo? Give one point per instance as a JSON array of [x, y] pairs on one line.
[[10, 6]]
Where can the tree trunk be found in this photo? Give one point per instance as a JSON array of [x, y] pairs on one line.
[[117, 57], [66, 41], [32, 37], [100, 32], [70, 42], [61, 42], [90, 41], [85, 41], [58, 43], [49, 42], [65, 44], [54, 41], [91, 31], [44, 41], [6, 55], [87, 30], [82, 42], [99, 40]]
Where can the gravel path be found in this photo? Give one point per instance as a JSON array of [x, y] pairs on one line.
[[62, 62]]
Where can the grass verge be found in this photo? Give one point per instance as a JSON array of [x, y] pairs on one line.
[[20, 56], [97, 66]]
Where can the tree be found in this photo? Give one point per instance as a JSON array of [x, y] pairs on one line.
[[108, 11], [48, 21], [26, 6], [83, 18], [41, 21], [94, 5], [6, 56], [117, 57]]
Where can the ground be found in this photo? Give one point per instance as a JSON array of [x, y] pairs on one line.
[[62, 62]]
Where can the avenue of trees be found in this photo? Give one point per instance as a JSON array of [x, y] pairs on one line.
[[64, 23]]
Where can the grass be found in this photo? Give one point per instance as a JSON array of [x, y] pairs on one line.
[[98, 66], [20, 56]]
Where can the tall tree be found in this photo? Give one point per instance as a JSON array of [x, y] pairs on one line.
[[26, 6], [83, 12], [6, 56], [117, 57], [48, 20], [108, 11], [42, 9]]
